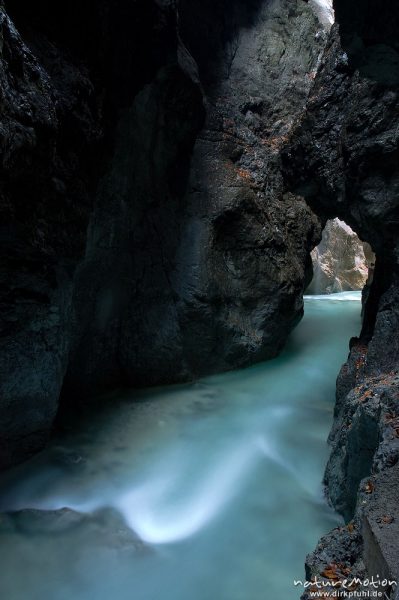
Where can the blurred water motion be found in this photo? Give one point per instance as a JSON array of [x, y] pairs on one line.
[[220, 479]]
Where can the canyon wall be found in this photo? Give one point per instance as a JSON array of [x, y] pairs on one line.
[[343, 158], [67, 117], [160, 198], [147, 235], [214, 280]]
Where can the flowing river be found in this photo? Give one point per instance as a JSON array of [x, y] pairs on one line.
[[220, 480]]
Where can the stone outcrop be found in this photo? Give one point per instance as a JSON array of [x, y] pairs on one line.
[[215, 275], [63, 104], [148, 237], [341, 262], [362, 481], [343, 160], [49, 136]]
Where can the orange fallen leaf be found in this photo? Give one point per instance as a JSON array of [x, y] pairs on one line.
[[330, 572], [387, 520], [389, 417], [370, 487]]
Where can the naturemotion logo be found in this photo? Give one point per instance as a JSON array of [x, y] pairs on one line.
[[353, 588]]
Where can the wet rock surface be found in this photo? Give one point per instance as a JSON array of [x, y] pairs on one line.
[[337, 558], [364, 438], [159, 243], [44, 206], [65, 100], [362, 480], [380, 527], [240, 285], [343, 159], [62, 522]]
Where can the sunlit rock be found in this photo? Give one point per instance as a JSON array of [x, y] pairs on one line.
[[325, 11], [341, 262]]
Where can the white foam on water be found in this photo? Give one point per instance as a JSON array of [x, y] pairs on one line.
[[271, 453], [151, 510], [340, 297]]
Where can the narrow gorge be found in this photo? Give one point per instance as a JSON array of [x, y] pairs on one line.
[[181, 183]]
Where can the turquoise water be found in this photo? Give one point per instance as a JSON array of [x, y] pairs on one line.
[[220, 479]]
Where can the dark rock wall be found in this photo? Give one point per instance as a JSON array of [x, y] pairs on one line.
[[67, 93], [369, 35], [202, 272], [126, 328], [147, 236], [240, 270], [343, 158], [48, 140]]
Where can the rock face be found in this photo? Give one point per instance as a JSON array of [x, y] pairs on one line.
[[341, 262], [67, 115], [362, 479], [343, 159], [215, 278], [48, 143], [242, 263], [147, 235]]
